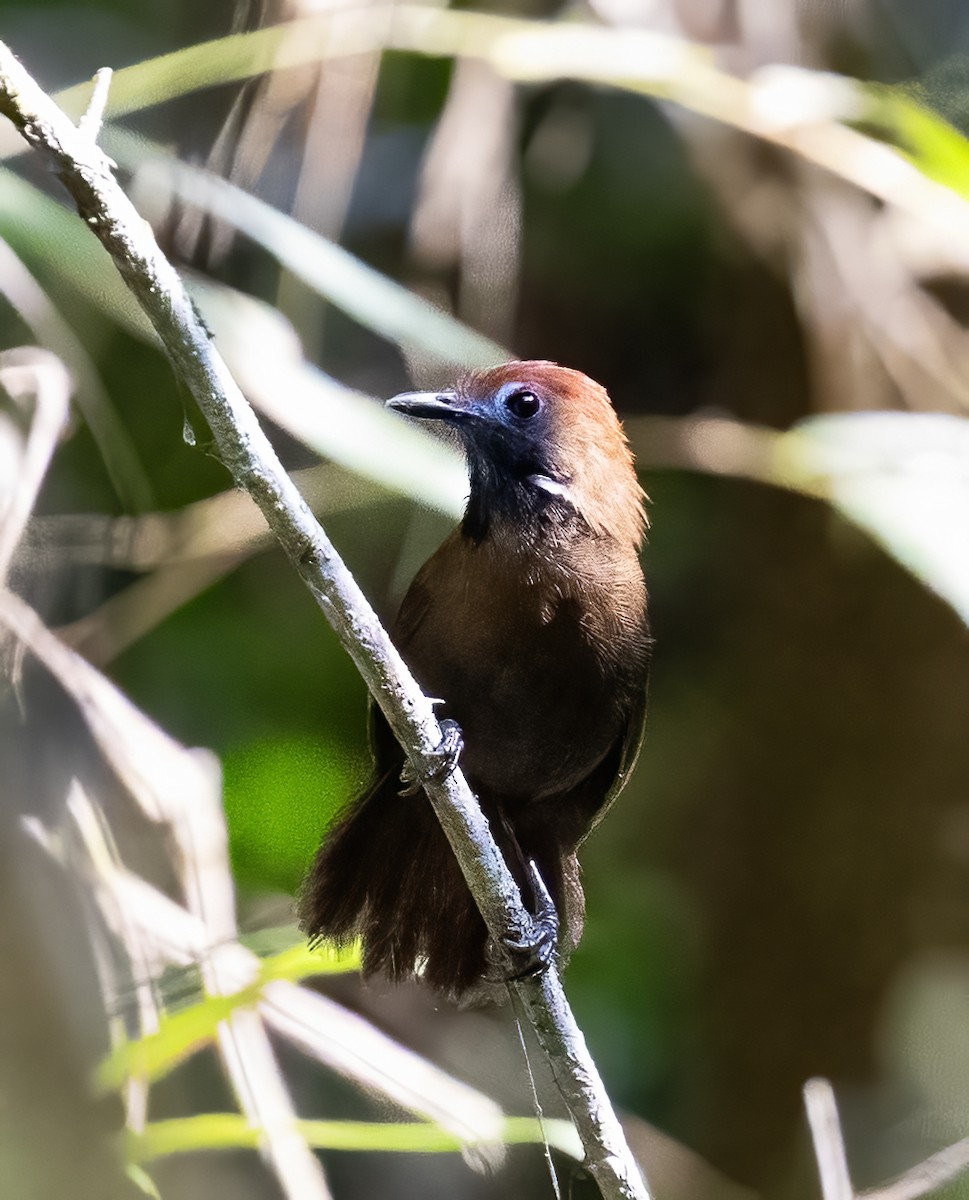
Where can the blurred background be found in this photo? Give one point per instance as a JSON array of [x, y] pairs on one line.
[[754, 255]]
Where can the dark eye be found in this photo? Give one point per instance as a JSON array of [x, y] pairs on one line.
[[523, 404]]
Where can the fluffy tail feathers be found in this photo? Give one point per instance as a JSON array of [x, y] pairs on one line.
[[386, 873]]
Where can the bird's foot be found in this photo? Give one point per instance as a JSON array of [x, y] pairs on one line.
[[534, 952], [443, 760]]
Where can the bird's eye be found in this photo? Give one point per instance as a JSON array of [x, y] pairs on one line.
[[522, 404]]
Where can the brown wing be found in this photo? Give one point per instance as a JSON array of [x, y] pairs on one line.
[[430, 580], [413, 609], [629, 748]]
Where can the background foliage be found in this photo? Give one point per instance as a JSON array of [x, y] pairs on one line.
[[762, 267]]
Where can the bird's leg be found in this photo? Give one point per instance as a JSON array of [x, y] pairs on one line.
[[533, 953], [443, 760]]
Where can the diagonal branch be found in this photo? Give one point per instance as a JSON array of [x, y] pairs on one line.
[[246, 452]]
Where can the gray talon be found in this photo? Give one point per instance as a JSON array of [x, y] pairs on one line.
[[444, 759], [535, 952]]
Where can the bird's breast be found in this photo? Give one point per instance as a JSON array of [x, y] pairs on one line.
[[516, 650]]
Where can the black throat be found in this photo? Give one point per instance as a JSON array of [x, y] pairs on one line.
[[512, 498]]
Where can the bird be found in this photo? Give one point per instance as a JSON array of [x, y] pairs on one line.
[[529, 626]]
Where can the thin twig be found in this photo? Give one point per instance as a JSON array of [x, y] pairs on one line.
[[932, 1173], [829, 1150], [247, 453], [39, 389], [829, 1146], [90, 122]]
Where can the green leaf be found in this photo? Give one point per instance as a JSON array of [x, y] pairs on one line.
[[143, 1181], [230, 59], [937, 148], [358, 432], [221, 1131], [358, 290], [902, 477], [40, 228], [182, 1033]]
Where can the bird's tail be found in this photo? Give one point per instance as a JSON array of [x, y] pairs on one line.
[[386, 872]]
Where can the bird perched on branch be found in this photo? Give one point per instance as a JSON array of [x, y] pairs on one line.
[[530, 622]]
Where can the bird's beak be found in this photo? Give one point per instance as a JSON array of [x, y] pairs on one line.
[[432, 406]]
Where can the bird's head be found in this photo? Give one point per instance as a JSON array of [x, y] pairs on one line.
[[539, 438]]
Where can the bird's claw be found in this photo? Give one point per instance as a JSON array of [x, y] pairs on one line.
[[443, 761], [533, 952]]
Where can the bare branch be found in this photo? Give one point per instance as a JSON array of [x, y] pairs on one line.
[[829, 1147], [247, 453]]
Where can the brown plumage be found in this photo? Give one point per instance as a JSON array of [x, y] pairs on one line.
[[530, 622]]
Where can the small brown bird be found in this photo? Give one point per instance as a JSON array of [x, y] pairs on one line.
[[530, 621]]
